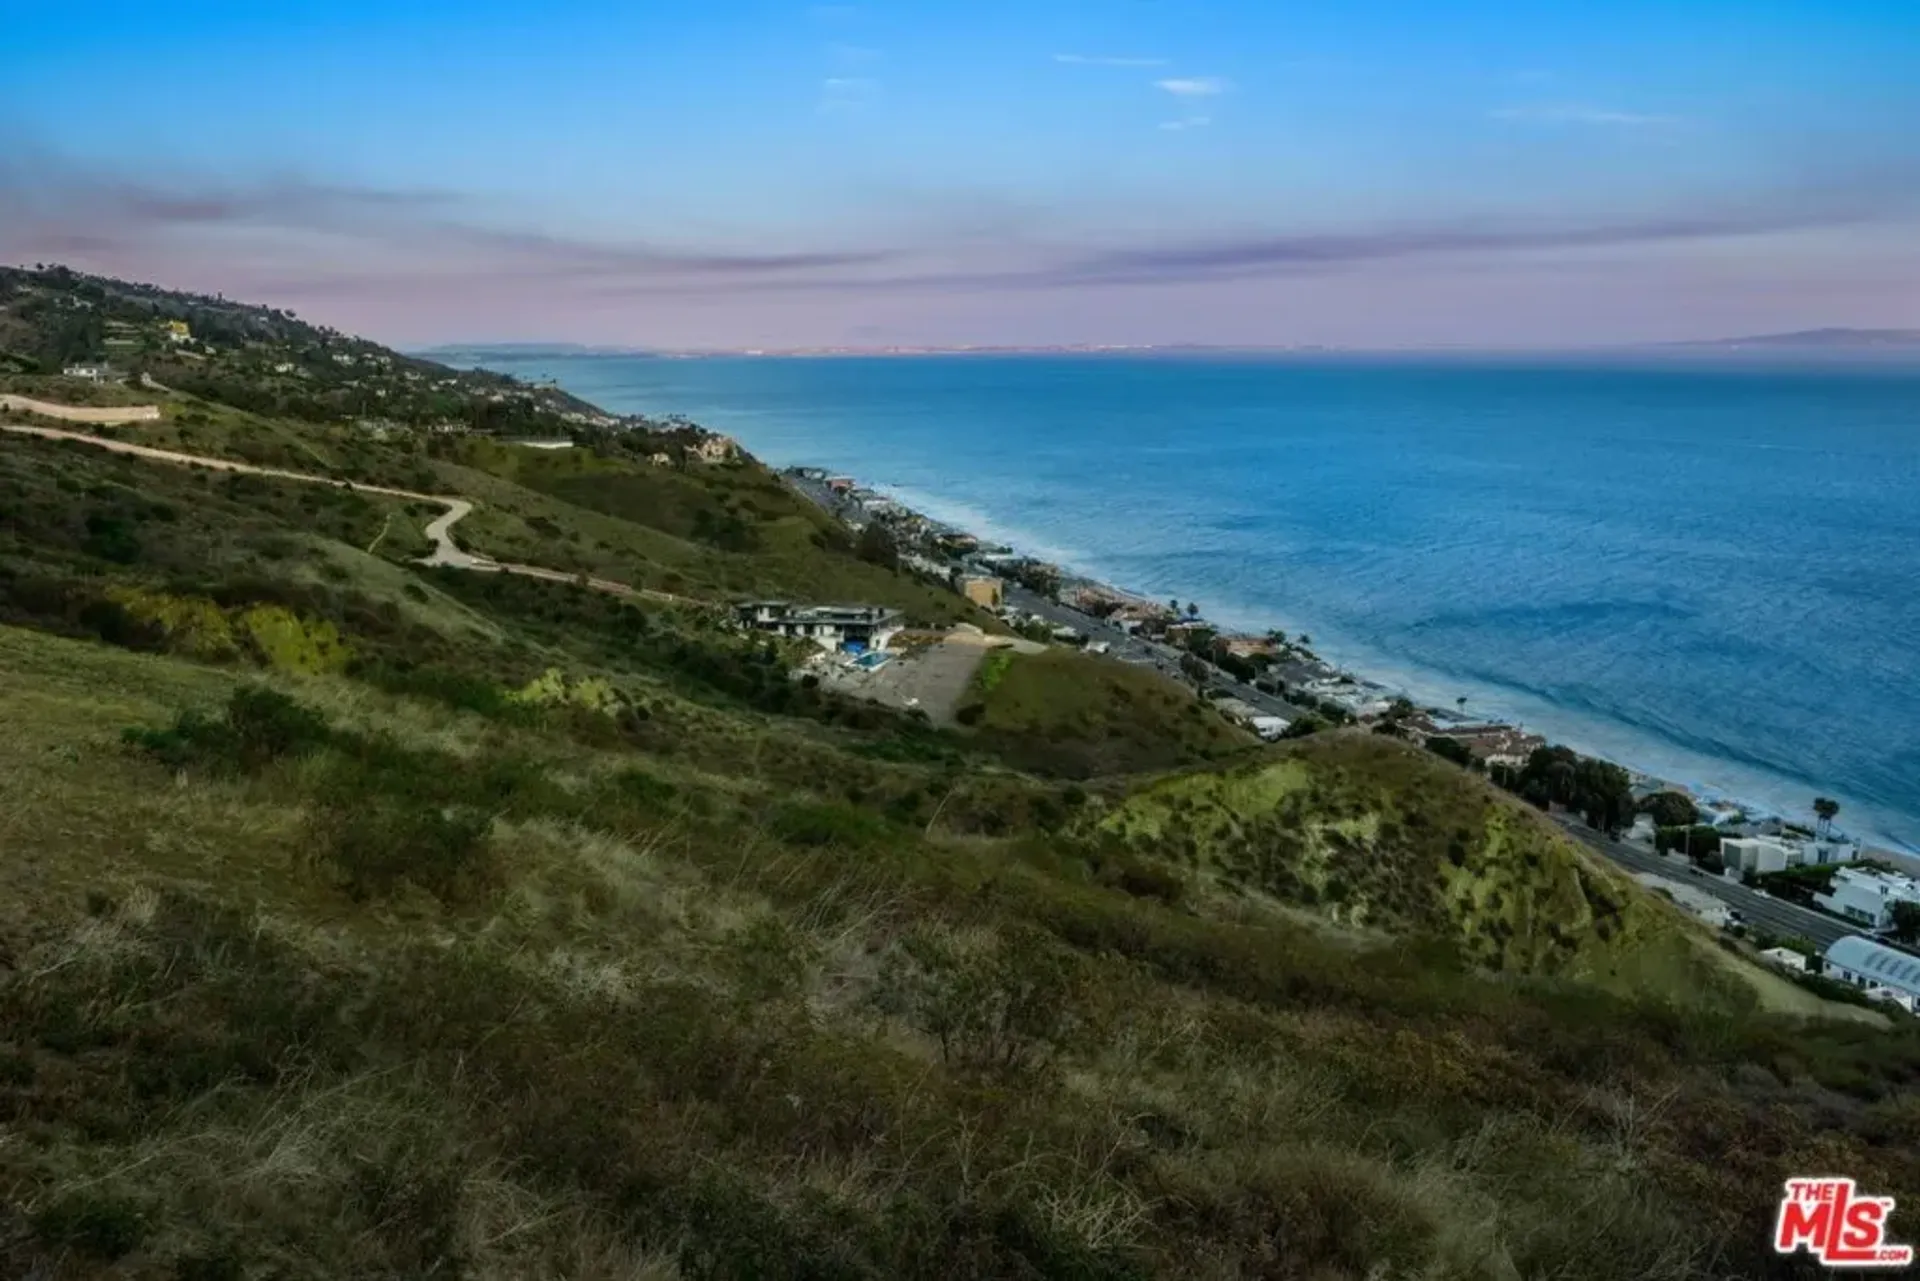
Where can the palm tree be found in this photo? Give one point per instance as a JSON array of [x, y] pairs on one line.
[[1825, 809], [1461, 702], [1193, 609], [1173, 607]]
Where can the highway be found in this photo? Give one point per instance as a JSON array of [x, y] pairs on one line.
[[1774, 915]]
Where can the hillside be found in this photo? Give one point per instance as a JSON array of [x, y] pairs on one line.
[[364, 918], [1827, 339]]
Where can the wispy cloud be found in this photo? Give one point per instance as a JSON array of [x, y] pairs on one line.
[[1194, 86], [848, 93], [1578, 115], [1098, 60], [1189, 122], [853, 55]]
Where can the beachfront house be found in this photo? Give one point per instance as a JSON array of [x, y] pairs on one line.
[[1866, 896], [1755, 854], [1885, 974], [831, 627]]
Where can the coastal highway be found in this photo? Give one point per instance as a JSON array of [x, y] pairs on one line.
[[1771, 914]]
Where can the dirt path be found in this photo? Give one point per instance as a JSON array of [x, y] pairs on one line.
[[100, 415], [439, 531]]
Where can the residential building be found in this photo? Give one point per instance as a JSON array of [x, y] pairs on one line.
[[177, 331], [1886, 974], [1755, 854], [831, 627], [1270, 728], [983, 590], [92, 373], [1866, 896], [840, 484], [715, 449]]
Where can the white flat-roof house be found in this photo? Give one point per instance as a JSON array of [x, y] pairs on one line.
[[1886, 974], [1866, 896], [1754, 854], [831, 627]]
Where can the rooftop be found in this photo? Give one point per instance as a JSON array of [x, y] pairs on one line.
[[1895, 969]]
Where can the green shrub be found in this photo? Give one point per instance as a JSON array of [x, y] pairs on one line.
[[376, 847], [259, 726], [827, 823], [108, 1227], [1007, 1004]]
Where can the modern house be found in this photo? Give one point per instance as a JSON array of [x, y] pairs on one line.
[[831, 627], [1885, 973], [92, 373], [1866, 896], [1755, 854]]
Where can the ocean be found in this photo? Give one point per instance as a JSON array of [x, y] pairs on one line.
[[1704, 567]]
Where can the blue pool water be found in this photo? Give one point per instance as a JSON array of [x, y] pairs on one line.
[[1709, 569]]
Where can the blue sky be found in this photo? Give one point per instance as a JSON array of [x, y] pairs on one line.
[[1368, 173]]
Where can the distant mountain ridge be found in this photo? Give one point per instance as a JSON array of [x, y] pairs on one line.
[[1848, 338]]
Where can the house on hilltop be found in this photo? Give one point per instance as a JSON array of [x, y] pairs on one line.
[[831, 627]]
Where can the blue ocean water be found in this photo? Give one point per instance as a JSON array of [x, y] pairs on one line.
[[1705, 568]]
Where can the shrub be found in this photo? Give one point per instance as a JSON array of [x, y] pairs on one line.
[[106, 1226], [377, 847], [1008, 1004], [260, 726], [826, 823]]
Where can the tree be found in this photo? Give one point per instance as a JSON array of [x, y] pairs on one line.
[[1454, 750], [1905, 927], [1193, 609], [1173, 606], [1671, 809], [1826, 809], [1461, 702], [876, 546]]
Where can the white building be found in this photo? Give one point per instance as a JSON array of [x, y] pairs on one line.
[[831, 627], [1786, 958], [1755, 854], [1866, 896], [92, 373], [1884, 973]]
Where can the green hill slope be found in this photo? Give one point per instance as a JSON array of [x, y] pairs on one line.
[[361, 919], [1376, 833]]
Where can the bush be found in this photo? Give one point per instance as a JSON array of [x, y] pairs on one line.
[[1005, 1005], [260, 726], [827, 824], [104, 1226], [377, 847]]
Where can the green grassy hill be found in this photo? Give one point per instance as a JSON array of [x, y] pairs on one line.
[[1378, 834], [1080, 716], [359, 919]]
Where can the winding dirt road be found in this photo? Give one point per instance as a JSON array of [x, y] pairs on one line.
[[439, 531]]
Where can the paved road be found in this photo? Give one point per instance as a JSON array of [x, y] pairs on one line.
[[1772, 914], [440, 531]]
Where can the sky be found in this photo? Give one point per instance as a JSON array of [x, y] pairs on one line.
[[744, 173]]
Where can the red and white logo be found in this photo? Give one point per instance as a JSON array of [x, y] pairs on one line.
[[1829, 1219]]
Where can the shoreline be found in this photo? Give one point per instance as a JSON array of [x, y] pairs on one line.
[[1494, 706]]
